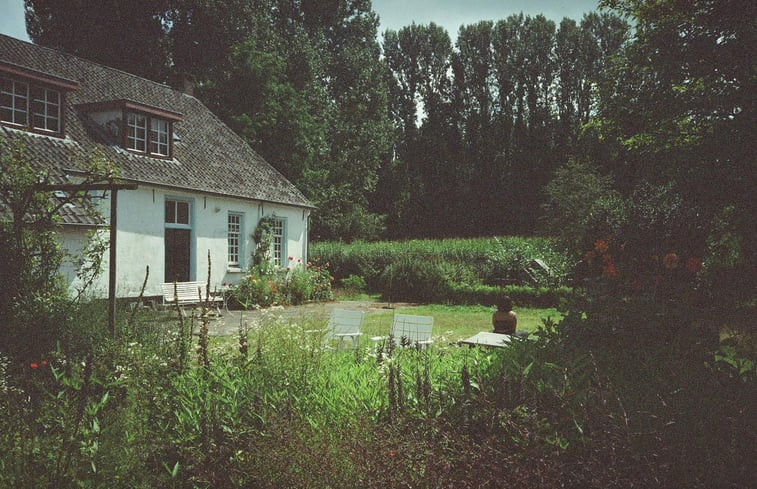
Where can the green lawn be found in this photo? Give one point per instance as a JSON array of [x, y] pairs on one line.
[[452, 323]]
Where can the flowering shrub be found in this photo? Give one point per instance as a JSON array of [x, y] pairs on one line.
[[268, 285]]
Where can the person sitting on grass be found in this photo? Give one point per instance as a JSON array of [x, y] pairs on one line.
[[504, 319]]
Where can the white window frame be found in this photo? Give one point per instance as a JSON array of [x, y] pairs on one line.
[[19, 101], [235, 245], [278, 240], [133, 141], [47, 108], [159, 129]]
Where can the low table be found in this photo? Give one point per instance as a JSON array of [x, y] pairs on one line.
[[487, 338]]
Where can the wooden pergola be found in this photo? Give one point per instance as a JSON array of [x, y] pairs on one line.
[[113, 188]]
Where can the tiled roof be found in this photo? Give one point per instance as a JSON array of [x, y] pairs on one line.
[[208, 157]]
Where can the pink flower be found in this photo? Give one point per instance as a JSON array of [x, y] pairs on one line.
[[291, 258]]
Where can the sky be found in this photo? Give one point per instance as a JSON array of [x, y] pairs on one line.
[[395, 14]]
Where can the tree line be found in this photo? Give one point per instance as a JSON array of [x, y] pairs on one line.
[[519, 125], [410, 136]]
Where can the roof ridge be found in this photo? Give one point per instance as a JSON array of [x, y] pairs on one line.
[[58, 51]]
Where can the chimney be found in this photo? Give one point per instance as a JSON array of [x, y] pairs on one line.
[[184, 82]]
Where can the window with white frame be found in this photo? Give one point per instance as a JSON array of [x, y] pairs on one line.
[[234, 239], [278, 245], [148, 134], [136, 132], [27, 104], [46, 113], [159, 137], [14, 101]]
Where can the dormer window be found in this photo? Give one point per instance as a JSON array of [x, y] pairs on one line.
[[32, 100], [139, 128], [30, 106], [139, 139]]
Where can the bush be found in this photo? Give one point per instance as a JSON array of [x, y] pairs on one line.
[[354, 283], [267, 285], [464, 261]]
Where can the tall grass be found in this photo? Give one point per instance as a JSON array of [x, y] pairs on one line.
[[487, 259], [278, 410]]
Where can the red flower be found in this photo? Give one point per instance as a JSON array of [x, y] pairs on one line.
[[43, 363], [670, 261], [610, 272], [33, 365], [694, 265], [589, 257], [600, 246]]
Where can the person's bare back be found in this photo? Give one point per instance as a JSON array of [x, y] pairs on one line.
[[504, 322]]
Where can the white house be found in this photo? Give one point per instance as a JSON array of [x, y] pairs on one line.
[[200, 187]]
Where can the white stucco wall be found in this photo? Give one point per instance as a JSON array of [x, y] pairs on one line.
[[140, 240]]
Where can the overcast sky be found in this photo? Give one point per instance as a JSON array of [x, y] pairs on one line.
[[395, 14]]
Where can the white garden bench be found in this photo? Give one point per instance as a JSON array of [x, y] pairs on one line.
[[189, 294]]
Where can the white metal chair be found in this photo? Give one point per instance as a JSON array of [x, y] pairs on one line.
[[409, 330], [344, 324]]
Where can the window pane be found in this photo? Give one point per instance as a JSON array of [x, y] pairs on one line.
[[45, 109], [136, 135], [235, 228], [171, 211], [159, 137], [182, 212], [277, 233], [14, 101]]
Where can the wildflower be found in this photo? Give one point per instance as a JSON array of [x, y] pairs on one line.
[[291, 258], [670, 261], [392, 453], [694, 265], [600, 246], [33, 365], [589, 257], [43, 363]]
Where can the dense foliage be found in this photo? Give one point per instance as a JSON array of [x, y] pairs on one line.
[[35, 307], [279, 411], [374, 133], [465, 271]]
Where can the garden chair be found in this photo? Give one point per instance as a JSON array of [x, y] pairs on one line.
[[409, 330], [344, 324]]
